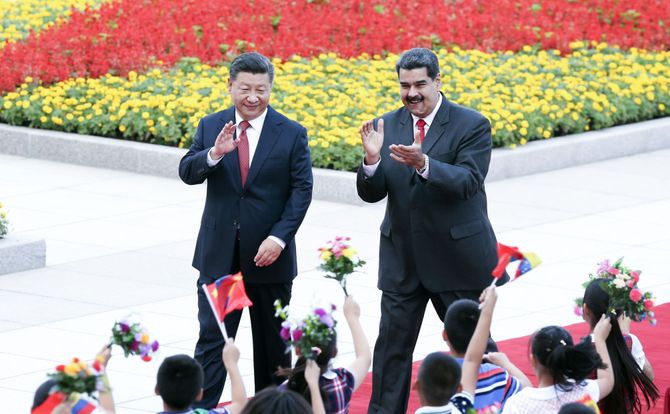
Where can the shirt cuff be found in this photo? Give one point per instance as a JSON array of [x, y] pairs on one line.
[[424, 173], [369, 170], [279, 241], [211, 162]]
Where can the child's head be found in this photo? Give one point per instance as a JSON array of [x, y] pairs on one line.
[[296, 376], [179, 381], [576, 408], [596, 302], [273, 400], [553, 354], [439, 378], [460, 323]]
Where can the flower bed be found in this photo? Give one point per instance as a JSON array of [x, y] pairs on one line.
[[18, 19], [136, 35], [527, 96]]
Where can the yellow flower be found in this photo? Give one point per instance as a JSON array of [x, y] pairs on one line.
[[326, 255], [72, 369], [7, 104], [145, 339], [122, 128]]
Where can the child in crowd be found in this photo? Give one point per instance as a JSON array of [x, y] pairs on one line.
[[498, 379], [276, 401], [336, 384], [45, 395], [180, 379], [561, 369], [632, 371], [443, 386]]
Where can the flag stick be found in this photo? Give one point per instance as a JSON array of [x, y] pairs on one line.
[[222, 326]]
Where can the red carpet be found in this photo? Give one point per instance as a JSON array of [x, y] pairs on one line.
[[655, 339]]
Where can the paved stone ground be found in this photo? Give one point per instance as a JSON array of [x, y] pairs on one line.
[[119, 243]]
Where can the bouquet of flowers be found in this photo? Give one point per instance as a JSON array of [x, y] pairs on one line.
[[133, 338], [339, 261], [310, 334], [4, 223], [79, 377], [621, 286]]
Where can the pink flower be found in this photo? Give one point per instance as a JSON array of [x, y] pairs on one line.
[[154, 346], [648, 304], [297, 334], [635, 276], [635, 295], [603, 266], [285, 334], [578, 310], [613, 271]]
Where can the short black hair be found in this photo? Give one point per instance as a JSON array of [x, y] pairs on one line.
[[419, 57], [276, 401], [252, 62], [439, 377], [460, 323], [576, 408], [42, 393], [179, 381]]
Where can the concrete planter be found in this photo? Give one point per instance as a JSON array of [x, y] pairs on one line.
[[19, 254]]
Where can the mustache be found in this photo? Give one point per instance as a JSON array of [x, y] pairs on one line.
[[414, 99]]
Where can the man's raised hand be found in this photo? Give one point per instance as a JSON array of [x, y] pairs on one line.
[[372, 140], [410, 155], [225, 142]]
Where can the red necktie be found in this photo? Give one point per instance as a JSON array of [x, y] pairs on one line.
[[243, 151], [421, 124]]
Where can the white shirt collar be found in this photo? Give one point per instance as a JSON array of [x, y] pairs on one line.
[[426, 409], [429, 119], [256, 123]]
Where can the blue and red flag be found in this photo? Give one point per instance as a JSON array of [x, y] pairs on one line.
[[82, 406], [227, 294], [507, 254]]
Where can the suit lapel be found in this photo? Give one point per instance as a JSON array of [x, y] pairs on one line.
[[438, 127], [406, 129], [266, 142]]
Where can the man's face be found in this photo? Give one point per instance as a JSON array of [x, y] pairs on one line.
[[250, 93], [419, 93]]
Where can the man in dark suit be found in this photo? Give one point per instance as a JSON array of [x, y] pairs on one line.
[[259, 186], [430, 158]]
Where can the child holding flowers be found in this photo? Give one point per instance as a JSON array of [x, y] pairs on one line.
[[315, 338], [62, 393], [614, 291]]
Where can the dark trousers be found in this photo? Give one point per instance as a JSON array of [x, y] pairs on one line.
[[269, 349], [401, 318]]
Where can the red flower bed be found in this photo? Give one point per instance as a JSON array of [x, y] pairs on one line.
[[135, 34]]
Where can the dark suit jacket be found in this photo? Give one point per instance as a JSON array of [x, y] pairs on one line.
[[274, 200], [436, 231]]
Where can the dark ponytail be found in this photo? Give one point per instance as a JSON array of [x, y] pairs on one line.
[[296, 376], [628, 376], [553, 348]]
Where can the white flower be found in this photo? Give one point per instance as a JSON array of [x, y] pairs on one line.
[[619, 283]]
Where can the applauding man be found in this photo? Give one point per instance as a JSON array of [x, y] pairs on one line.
[[259, 186], [430, 158]]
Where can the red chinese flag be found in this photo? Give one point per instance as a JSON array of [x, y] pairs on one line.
[[228, 295], [49, 404]]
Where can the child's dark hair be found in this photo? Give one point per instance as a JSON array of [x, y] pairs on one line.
[[576, 408], [628, 376], [439, 378], [273, 400], [296, 376], [553, 348], [179, 381], [460, 323]]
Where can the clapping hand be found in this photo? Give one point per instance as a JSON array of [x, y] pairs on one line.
[[225, 141], [410, 155], [372, 140]]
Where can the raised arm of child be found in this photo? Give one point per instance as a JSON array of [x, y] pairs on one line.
[[231, 356], [477, 345], [105, 398], [312, 374], [501, 360], [359, 368], [605, 379]]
